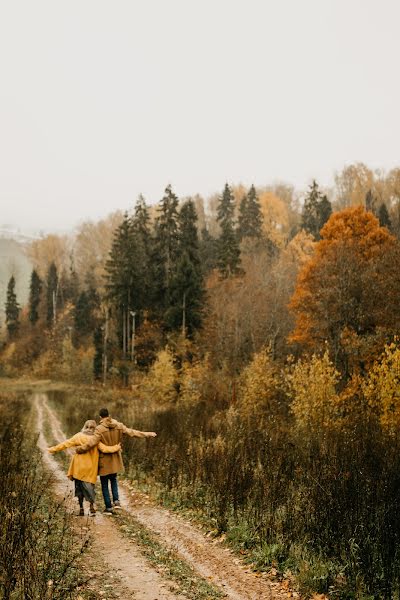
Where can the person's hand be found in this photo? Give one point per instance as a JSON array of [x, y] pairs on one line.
[[50, 450], [151, 434]]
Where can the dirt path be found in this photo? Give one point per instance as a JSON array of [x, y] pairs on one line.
[[210, 559], [132, 577]]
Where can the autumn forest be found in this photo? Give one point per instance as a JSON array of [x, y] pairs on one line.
[[262, 326]]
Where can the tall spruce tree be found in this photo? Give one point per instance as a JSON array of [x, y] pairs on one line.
[[208, 247], [12, 310], [35, 292], [250, 217], [83, 317], [186, 289], [144, 244], [52, 292], [316, 211], [228, 244], [98, 353], [165, 250], [370, 202], [119, 276], [383, 216]]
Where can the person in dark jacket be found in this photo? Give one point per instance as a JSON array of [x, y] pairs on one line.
[[110, 432]]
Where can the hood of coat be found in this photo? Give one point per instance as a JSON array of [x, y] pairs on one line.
[[109, 422]]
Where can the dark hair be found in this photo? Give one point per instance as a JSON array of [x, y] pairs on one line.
[[103, 412]]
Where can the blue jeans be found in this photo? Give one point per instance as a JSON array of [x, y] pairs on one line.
[[114, 488]]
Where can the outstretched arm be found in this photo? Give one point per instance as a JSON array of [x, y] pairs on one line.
[[64, 445], [136, 433]]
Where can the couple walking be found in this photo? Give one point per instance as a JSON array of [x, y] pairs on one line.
[[98, 451]]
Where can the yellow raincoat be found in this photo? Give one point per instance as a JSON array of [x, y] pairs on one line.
[[84, 466]]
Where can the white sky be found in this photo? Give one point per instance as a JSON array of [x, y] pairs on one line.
[[101, 100]]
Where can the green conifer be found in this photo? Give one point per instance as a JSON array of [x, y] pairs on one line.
[[98, 353], [186, 289], [12, 310], [52, 293], [250, 218], [35, 292], [383, 216], [165, 249], [228, 244], [316, 211]]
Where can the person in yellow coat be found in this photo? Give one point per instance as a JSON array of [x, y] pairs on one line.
[[83, 468]]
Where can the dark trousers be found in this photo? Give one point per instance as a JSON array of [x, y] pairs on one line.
[[105, 488]]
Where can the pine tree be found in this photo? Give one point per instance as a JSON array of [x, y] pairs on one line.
[[228, 244], [98, 353], [208, 248], [12, 310], [83, 318], [165, 249], [383, 216], [370, 202], [144, 245], [186, 289], [316, 211], [52, 289], [69, 283], [250, 218], [35, 292], [119, 276]]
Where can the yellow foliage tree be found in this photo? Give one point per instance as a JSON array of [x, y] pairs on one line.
[[382, 387], [275, 218], [161, 380], [194, 376], [312, 385], [260, 386]]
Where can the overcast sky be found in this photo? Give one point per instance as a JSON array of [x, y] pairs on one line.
[[103, 100]]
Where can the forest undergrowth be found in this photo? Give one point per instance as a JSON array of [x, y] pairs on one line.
[[318, 506], [39, 550]]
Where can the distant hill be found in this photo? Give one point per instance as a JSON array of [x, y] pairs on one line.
[[13, 261]]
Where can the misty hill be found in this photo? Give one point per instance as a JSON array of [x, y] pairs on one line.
[[13, 261]]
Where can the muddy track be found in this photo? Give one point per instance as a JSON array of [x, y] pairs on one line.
[[208, 558], [133, 577]]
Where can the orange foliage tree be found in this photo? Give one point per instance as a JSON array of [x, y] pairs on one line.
[[347, 295]]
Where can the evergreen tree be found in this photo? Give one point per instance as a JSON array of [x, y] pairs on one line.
[[35, 292], [316, 211], [383, 216], [52, 293], [12, 310], [119, 276], [228, 244], [186, 289], [208, 249], [250, 218], [144, 243], [370, 202], [98, 353], [69, 284], [83, 318], [165, 249]]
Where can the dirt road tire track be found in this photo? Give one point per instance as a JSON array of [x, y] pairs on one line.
[[135, 578], [211, 560]]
